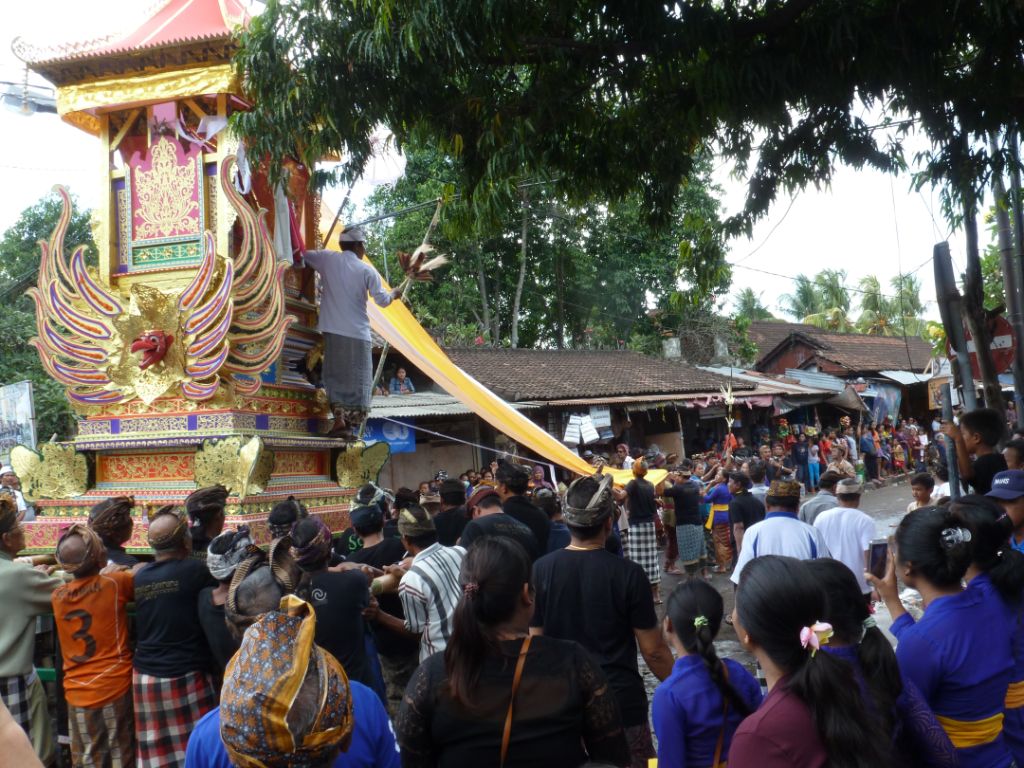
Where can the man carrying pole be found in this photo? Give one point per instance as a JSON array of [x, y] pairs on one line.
[[348, 360]]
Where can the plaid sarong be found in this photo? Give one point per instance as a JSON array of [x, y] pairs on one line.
[[348, 371], [15, 694], [691, 544], [166, 710], [643, 549], [103, 737]]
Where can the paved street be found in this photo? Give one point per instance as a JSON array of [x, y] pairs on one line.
[[886, 505]]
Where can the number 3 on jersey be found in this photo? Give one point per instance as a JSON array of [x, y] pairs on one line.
[[83, 634]]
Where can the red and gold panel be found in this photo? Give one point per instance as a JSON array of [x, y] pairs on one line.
[[145, 467], [304, 463]]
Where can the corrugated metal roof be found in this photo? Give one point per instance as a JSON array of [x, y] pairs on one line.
[[423, 404], [816, 379], [906, 378], [766, 383]]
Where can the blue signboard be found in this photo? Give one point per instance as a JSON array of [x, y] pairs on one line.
[[400, 437]]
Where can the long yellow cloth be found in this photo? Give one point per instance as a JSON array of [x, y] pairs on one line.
[[401, 329], [971, 733]]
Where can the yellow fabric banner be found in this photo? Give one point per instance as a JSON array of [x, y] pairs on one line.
[[401, 329]]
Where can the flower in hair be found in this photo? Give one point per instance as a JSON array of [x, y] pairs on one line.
[[470, 588], [869, 622], [951, 537], [700, 622], [815, 636]]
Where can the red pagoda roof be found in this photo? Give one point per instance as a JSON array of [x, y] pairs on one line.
[[169, 23]]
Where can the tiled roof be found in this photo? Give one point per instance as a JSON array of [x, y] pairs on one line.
[[853, 351], [767, 334], [167, 23], [541, 374]]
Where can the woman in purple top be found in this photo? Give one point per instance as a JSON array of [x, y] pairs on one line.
[[814, 715], [698, 707], [899, 708]]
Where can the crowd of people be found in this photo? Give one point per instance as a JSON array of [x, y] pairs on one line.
[[499, 619]]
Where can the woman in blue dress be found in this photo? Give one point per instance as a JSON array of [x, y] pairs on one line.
[[997, 570], [959, 654], [698, 707]]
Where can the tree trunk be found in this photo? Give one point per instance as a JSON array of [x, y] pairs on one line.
[[974, 311], [522, 279], [485, 304], [560, 297], [1011, 278]]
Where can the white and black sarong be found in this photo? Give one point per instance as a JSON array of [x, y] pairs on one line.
[[348, 371], [643, 549]]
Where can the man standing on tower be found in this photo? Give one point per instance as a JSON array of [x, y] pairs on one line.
[[345, 325]]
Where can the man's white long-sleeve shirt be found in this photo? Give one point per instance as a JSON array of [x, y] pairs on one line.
[[346, 280]]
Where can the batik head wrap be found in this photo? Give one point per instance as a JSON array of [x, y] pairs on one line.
[[227, 551], [261, 684], [206, 502], [284, 515], [317, 549], [95, 556], [175, 537], [594, 510], [415, 521], [112, 517]]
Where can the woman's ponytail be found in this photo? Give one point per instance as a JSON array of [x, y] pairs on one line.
[[991, 552]]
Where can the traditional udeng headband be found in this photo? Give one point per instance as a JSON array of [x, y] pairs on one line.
[[815, 636]]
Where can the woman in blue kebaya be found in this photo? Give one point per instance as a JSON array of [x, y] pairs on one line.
[[959, 655], [899, 708], [698, 707], [997, 570]]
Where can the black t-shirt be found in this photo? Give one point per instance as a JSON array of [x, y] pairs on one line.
[[388, 552], [985, 468], [531, 516], [118, 556], [563, 712], [218, 638], [598, 599], [170, 640], [347, 543], [500, 524], [770, 473], [450, 524], [391, 529], [642, 506], [687, 498], [339, 600], [800, 454], [745, 508]]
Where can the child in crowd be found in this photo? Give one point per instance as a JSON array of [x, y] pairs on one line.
[[698, 707], [941, 490], [1013, 452], [899, 458], [978, 435], [922, 486]]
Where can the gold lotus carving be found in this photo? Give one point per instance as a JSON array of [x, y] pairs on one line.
[[165, 194], [55, 471], [242, 468]]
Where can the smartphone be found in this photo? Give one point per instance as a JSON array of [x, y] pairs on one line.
[[878, 559]]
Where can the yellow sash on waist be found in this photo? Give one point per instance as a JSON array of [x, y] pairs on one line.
[[1015, 695], [971, 733], [711, 515]]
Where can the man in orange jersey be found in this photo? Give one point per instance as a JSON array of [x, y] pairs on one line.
[[92, 622]]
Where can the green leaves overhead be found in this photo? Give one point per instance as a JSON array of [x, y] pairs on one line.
[[617, 99]]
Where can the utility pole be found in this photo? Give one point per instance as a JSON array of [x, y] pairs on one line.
[[1012, 139], [522, 276], [949, 310]]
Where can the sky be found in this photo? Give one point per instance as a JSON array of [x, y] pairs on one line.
[[867, 223]]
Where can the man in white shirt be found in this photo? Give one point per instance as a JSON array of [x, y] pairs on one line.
[[848, 531], [781, 532], [348, 362], [10, 485]]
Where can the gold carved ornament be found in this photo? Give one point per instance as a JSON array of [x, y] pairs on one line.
[[359, 465], [243, 468], [220, 331], [166, 194], [55, 471]]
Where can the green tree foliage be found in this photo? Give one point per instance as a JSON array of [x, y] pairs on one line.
[[612, 99], [597, 274], [748, 304], [19, 262]]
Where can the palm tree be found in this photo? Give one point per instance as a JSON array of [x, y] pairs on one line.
[[804, 300], [749, 306], [833, 319], [830, 284], [876, 310]]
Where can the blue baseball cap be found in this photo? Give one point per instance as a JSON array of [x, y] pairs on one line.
[[1008, 485]]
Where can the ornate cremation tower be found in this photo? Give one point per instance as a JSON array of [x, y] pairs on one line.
[[177, 348]]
